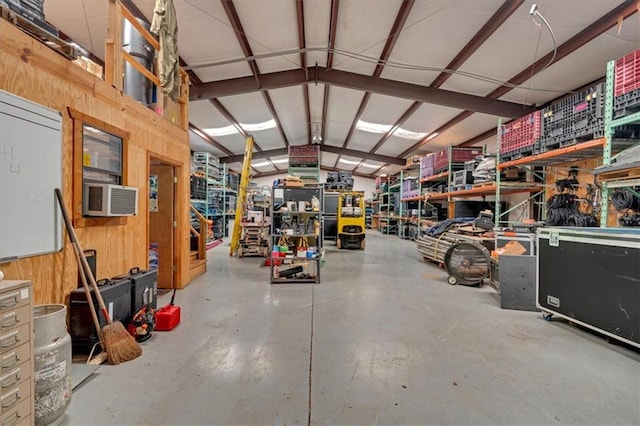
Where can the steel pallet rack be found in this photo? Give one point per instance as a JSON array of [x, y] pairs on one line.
[[206, 166], [612, 144], [408, 224], [389, 200]]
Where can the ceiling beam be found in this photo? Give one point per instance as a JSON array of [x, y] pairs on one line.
[[365, 83], [232, 14], [231, 119], [333, 29], [446, 126], [404, 117], [398, 24], [424, 94], [238, 158], [234, 19], [209, 139], [303, 63], [242, 85], [274, 114], [361, 154], [502, 14], [594, 30], [489, 133], [331, 169]]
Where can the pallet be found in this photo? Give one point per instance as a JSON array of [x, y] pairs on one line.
[[484, 184], [48, 39], [517, 155], [631, 173]]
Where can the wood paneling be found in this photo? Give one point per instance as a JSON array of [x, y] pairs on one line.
[[561, 171], [161, 225], [31, 70]]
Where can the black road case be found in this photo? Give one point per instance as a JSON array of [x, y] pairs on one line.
[[144, 287], [117, 299], [592, 278]]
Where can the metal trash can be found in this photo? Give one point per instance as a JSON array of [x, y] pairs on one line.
[[52, 363]]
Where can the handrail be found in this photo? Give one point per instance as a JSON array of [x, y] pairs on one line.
[[115, 56], [202, 235]]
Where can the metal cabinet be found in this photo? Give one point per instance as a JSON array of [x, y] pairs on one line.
[[16, 353]]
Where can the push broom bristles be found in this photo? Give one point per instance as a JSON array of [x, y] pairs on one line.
[[119, 344]]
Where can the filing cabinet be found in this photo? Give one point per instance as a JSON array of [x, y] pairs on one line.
[[16, 349]]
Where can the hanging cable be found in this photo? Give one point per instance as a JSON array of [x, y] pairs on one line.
[[535, 12]]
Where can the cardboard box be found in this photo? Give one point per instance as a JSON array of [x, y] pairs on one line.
[[512, 248], [255, 216]]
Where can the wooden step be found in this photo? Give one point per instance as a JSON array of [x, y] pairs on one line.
[[197, 267], [193, 255]]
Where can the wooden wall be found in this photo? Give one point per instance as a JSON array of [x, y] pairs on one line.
[[561, 171], [31, 70]]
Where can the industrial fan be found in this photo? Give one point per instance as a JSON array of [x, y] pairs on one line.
[[467, 263]]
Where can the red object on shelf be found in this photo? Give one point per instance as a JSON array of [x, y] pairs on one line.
[[627, 73], [459, 155], [168, 317], [521, 133]]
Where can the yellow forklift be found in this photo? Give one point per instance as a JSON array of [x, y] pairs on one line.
[[351, 220]]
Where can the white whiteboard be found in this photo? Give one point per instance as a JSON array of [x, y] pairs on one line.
[[30, 170]]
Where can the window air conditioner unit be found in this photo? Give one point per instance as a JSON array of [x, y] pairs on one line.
[[103, 199]]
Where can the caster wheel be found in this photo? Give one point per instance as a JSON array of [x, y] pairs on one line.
[[452, 280], [547, 316]]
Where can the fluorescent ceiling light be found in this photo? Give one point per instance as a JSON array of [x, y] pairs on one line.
[[230, 130], [221, 131], [408, 134], [372, 127], [353, 163], [259, 126], [384, 128], [267, 163], [371, 166]]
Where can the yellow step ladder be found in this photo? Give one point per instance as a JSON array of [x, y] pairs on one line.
[[241, 201]]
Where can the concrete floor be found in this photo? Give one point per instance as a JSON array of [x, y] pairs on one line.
[[382, 340]]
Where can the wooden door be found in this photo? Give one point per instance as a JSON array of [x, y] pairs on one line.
[[161, 221]]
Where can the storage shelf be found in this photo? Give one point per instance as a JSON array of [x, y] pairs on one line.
[[435, 178], [294, 281], [288, 212], [576, 152], [484, 190], [414, 198], [296, 235]]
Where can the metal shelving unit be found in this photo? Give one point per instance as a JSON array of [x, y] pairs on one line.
[[296, 221]]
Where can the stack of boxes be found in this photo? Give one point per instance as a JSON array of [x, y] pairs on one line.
[[340, 180], [31, 10]]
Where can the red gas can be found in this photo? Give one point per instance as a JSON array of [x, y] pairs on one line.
[[168, 317]]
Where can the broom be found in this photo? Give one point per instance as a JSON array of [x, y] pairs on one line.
[[100, 358], [117, 341]]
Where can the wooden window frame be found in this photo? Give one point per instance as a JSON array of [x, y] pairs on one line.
[[79, 120]]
